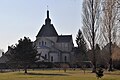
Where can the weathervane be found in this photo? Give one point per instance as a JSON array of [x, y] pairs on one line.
[[47, 7]]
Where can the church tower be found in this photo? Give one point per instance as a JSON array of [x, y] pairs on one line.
[[47, 29]]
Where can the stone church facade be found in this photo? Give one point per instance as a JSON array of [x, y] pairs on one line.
[[51, 46]]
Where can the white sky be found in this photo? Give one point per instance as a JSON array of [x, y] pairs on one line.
[[19, 18]]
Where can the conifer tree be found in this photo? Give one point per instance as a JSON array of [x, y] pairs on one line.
[[23, 53]]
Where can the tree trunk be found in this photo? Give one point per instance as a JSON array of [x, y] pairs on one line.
[[110, 65], [94, 66], [25, 70], [94, 62], [110, 50], [93, 39]]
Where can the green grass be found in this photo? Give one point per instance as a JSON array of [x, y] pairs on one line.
[[56, 75]]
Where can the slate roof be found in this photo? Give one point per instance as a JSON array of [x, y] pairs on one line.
[[64, 38], [48, 29], [3, 59]]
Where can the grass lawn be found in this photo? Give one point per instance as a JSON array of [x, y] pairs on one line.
[[56, 75]]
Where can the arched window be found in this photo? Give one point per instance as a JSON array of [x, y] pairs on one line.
[[39, 43], [45, 56], [65, 58], [45, 43], [42, 43], [51, 58]]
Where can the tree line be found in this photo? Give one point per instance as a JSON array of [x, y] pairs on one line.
[[97, 40]]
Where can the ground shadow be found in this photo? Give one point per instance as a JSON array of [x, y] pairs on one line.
[[5, 71], [47, 74], [44, 74], [112, 73]]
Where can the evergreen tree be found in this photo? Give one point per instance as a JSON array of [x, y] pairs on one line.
[[81, 49], [81, 42], [23, 53]]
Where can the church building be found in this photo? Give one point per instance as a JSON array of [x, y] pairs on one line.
[[52, 46]]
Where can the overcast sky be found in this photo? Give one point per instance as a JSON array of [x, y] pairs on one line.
[[19, 18]]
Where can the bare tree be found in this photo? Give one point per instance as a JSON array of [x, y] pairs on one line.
[[91, 22], [110, 24]]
